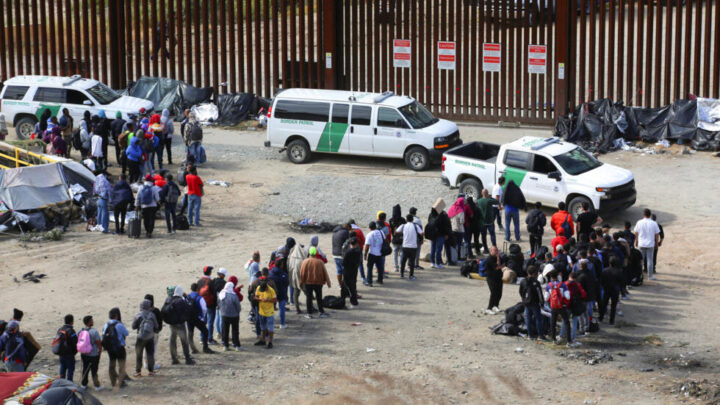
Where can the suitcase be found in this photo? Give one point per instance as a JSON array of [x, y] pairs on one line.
[[181, 223], [134, 228]]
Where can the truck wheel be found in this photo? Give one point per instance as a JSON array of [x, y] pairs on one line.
[[471, 188], [298, 151], [25, 127], [417, 158], [575, 206]]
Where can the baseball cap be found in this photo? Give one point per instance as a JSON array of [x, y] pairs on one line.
[[222, 271]]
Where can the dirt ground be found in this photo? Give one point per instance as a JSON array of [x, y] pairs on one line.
[[420, 342]]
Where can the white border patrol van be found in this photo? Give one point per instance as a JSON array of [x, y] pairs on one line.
[[303, 121], [23, 99]]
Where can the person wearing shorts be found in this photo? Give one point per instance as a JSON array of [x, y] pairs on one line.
[[266, 298]]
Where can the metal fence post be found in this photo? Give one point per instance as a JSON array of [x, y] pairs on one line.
[[116, 18], [562, 59], [329, 40]]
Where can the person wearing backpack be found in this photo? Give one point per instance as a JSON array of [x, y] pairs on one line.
[[175, 313], [120, 198], [90, 347], [12, 345], [536, 222], [577, 307], [146, 204], [411, 234], [488, 213], [200, 311], [65, 346], [229, 305], [147, 326], [532, 298], [562, 220], [558, 295], [169, 195], [113, 341]]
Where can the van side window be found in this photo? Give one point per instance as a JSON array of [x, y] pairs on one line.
[[76, 97], [517, 159], [543, 165], [15, 92], [361, 115], [302, 110], [389, 118], [50, 95], [340, 113]]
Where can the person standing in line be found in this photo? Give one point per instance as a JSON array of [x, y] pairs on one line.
[[66, 128], [647, 237], [558, 295], [133, 157], [229, 305], [396, 221], [279, 276], [358, 233], [512, 200], [206, 290], [418, 222], [313, 275], [91, 359], [102, 190], [175, 312], [158, 317], [586, 222], [456, 212], [116, 128], [266, 299], [373, 255], [200, 310], [562, 220], [65, 346], [85, 137], [536, 222], [473, 229], [340, 234], [488, 212], [146, 204], [493, 277], [169, 131], [96, 151], [218, 284], [411, 233], [532, 298], [657, 245], [195, 193], [497, 193], [438, 230], [612, 280], [120, 198], [169, 195], [147, 326], [116, 333], [352, 260]]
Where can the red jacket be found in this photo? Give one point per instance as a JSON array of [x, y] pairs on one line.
[[360, 237], [576, 290], [558, 218], [558, 240]]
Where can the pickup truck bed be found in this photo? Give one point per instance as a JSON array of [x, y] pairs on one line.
[[476, 150]]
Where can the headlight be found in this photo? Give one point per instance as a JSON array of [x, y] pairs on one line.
[[602, 189], [441, 139]]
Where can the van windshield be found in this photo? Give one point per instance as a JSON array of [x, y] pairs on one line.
[[417, 115], [103, 94], [577, 161]]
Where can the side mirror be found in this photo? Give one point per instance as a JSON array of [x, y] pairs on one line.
[[87, 102], [555, 175]]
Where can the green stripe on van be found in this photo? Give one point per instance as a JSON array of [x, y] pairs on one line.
[[54, 109], [516, 175], [332, 137]]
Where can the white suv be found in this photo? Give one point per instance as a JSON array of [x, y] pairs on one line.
[[24, 98]]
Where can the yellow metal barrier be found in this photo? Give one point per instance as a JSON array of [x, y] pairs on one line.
[[22, 157]]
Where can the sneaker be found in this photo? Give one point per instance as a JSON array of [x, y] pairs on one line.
[[283, 326], [496, 309], [652, 277], [137, 375], [489, 312], [439, 266], [308, 316], [575, 344], [100, 388], [365, 283], [157, 367], [324, 315], [226, 349], [419, 268], [412, 278], [402, 276], [175, 361], [397, 270], [260, 343], [208, 350], [190, 362], [269, 346], [352, 306], [239, 348], [380, 282], [432, 266], [83, 387], [212, 342]]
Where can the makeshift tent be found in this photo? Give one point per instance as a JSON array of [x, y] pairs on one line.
[[598, 124], [170, 94], [235, 108], [33, 187]]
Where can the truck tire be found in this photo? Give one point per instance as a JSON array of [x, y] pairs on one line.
[[25, 126], [471, 188], [298, 151], [575, 206], [417, 158]]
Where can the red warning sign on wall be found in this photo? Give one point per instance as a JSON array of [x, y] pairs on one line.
[[402, 49], [537, 59], [492, 57], [447, 55]]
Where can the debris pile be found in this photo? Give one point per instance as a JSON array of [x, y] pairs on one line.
[[591, 357]]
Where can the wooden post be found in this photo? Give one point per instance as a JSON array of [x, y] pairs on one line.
[[330, 45], [562, 59]]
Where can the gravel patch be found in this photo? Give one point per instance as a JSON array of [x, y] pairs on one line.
[[221, 152], [339, 198]]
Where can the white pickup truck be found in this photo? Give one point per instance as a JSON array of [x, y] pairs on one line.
[[547, 170]]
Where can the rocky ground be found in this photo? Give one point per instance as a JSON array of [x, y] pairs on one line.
[[421, 342]]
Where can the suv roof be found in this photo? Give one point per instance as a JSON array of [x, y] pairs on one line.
[[551, 146], [53, 81], [386, 99]]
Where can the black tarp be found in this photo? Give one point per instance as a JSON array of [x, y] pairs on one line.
[[596, 125], [174, 95], [235, 107]]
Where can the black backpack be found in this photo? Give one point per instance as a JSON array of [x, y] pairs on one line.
[[148, 145], [533, 223], [333, 302], [195, 132], [469, 267], [110, 339], [76, 141], [63, 342], [174, 311]]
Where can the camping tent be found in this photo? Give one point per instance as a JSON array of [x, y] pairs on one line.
[[35, 187]]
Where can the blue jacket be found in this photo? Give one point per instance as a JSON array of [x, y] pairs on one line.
[[134, 151], [13, 346], [121, 192], [281, 280]]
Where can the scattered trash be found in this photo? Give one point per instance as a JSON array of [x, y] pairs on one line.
[[369, 350], [53, 235], [219, 183], [647, 370], [30, 277], [653, 340], [356, 323], [309, 226], [683, 360], [256, 185], [664, 143], [591, 357], [519, 350], [704, 390]]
